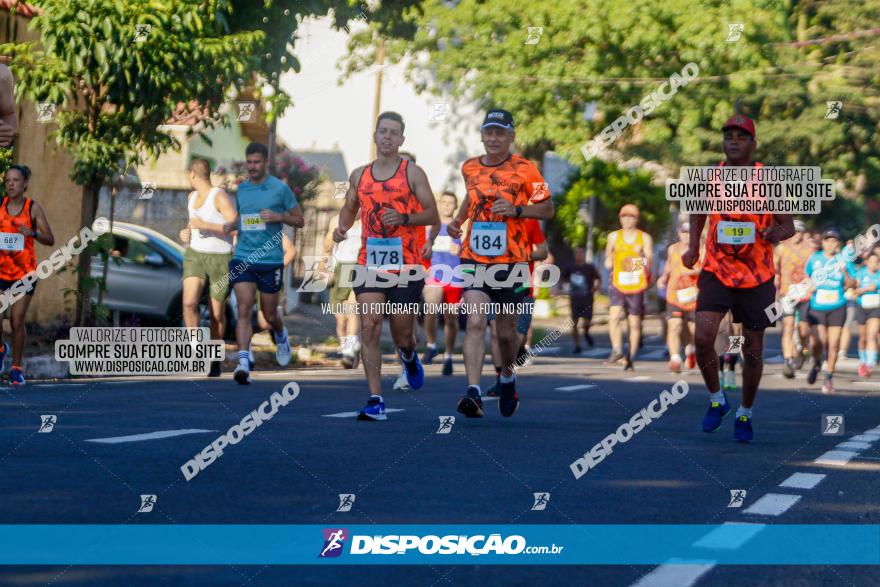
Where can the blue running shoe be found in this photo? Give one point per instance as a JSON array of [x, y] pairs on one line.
[[415, 373], [374, 410], [742, 429], [16, 377], [716, 413], [429, 354]]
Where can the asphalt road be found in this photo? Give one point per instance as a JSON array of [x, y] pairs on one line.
[[292, 469]]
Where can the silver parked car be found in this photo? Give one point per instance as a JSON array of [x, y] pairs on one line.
[[144, 277]]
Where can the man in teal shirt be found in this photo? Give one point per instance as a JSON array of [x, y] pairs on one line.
[[263, 204]]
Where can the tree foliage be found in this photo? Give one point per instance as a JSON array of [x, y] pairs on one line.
[[793, 56]]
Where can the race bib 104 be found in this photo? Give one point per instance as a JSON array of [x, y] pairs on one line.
[[252, 222]]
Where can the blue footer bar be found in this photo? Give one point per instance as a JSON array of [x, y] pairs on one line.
[[727, 544]]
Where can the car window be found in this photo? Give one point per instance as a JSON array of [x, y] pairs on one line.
[[129, 249]]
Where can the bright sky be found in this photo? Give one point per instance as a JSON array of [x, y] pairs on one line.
[[327, 116]]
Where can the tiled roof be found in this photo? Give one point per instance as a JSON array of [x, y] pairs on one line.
[[19, 7]]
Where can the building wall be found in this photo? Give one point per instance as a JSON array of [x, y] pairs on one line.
[[50, 185]]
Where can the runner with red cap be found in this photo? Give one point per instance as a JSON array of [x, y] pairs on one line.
[[737, 276], [628, 255]]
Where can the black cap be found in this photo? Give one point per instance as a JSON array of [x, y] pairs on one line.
[[831, 232], [498, 117]]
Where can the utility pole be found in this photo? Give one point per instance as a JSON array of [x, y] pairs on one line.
[[377, 97]]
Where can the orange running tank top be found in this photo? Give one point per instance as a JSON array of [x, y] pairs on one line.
[[744, 265], [681, 290], [17, 257], [792, 266], [626, 274], [385, 246], [492, 238]]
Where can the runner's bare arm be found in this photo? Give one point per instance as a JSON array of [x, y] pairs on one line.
[[539, 252], [349, 210], [46, 237], [781, 229], [422, 189], [8, 118], [609, 250], [455, 228], [648, 250], [328, 238], [289, 251], [293, 217], [540, 211], [664, 277], [689, 258]]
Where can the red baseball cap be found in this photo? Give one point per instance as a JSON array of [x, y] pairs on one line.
[[741, 122]]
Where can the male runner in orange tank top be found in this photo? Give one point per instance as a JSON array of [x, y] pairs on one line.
[[628, 255], [737, 276], [681, 298], [395, 203], [22, 221]]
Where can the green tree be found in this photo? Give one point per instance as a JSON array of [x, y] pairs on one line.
[[612, 186], [117, 70], [793, 57]]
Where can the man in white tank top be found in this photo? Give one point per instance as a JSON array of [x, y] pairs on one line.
[[340, 259], [208, 252]]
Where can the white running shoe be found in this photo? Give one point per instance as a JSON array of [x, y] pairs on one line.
[[282, 351], [402, 384]]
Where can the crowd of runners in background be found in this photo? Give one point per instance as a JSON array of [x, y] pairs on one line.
[[712, 288]]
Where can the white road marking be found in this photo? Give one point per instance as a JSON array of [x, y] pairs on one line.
[[854, 444], [574, 387], [729, 535], [866, 437], [638, 378], [803, 480], [836, 457], [353, 414], [867, 383], [772, 504], [670, 574], [148, 436]]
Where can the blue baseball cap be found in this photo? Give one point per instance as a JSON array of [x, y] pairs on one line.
[[498, 117]]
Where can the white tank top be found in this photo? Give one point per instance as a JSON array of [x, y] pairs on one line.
[[208, 213], [347, 251]]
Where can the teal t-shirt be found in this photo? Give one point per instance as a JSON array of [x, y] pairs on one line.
[[828, 277], [259, 242], [865, 279]]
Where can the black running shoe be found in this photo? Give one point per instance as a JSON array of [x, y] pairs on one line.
[[493, 391], [576, 351], [470, 404], [522, 355], [447, 366], [215, 369], [589, 339], [814, 372], [628, 366], [508, 400]]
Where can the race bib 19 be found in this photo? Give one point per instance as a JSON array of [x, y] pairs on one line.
[[735, 233], [252, 222], [11, 241], [385, 253], [489, 239], [871, 301], [827, 297], [687, 294]]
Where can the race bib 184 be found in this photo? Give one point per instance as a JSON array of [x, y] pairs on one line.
[[489, 239]]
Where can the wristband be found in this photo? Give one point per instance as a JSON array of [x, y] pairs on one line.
[[405, 219], [518, 211], [36, 234]]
